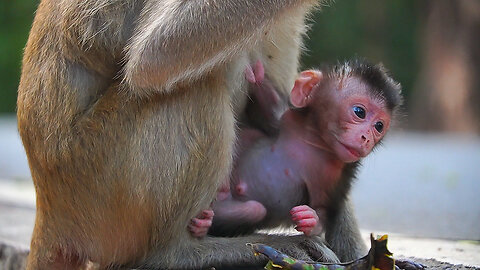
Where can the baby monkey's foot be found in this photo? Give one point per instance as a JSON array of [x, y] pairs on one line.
[[199, 226], [306, 220]]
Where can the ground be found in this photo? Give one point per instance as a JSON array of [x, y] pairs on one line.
[[17, 214]]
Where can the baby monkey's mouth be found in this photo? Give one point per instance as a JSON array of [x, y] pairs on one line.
[[352, 151]]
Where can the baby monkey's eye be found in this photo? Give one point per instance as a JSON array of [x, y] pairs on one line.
[[359, 111], [379, 127]]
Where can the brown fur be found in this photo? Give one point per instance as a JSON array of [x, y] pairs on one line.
[[126, 110]]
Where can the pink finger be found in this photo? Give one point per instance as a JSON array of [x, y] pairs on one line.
[[201, 222], [301, 208], [197, 230], [303, 215], [307, 223], [207, 214]]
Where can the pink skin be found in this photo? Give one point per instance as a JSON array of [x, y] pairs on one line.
[[247, 138], [199, 226], [241, 188], [306, 220], [349, 137], [360, 134], [238, 211], [311, 149]]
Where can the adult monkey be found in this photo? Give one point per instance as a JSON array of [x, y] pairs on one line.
[[126, 110]]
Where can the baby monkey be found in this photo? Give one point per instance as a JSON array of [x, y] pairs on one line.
[[337, 116]]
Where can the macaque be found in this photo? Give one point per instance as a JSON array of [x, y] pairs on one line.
[[127, 110], [302, 175]]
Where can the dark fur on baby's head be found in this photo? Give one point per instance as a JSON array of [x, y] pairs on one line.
[[375, 76]]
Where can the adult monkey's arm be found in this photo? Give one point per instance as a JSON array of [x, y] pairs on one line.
[[182, 40]]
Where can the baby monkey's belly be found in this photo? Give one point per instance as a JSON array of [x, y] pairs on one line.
[[267, 177]]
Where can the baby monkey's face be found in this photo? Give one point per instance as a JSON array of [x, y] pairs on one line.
[[358, 119]]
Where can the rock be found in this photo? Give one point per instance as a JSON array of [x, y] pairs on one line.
[[12, 258]]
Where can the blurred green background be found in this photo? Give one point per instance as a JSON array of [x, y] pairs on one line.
[[386, 33], [15, 20], [392, 32]]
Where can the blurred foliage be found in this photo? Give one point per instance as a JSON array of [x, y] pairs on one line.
[[381, 31], [16, 17]]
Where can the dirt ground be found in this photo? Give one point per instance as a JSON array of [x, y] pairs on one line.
[[453, 251], [434, 264]]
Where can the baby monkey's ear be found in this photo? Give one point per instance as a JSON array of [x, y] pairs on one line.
[[303, 87]]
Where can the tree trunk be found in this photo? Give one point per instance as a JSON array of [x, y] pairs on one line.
[[447, 98]]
